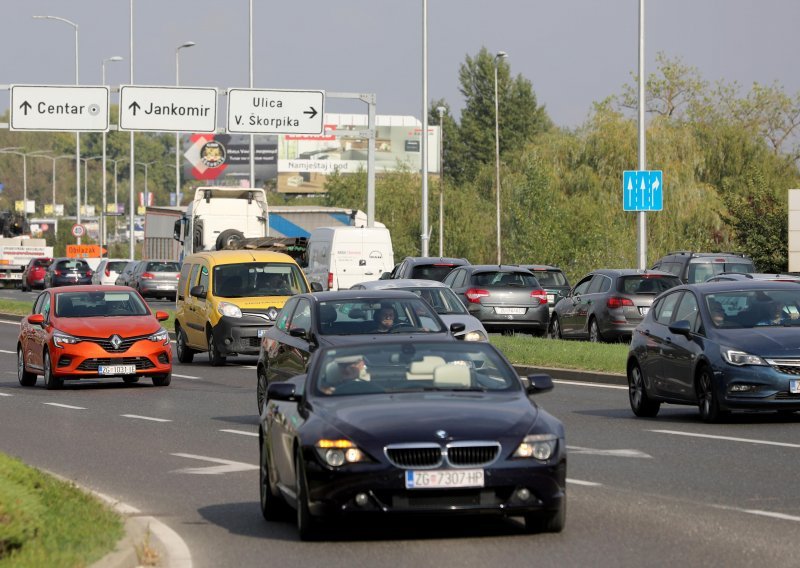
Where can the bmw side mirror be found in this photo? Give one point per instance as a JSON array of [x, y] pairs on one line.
[[281, 391], [681, 327], [539, 383]]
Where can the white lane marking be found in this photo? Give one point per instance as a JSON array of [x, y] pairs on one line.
[[11, 322], [145, 418], [727, 438], [613, 453], [186, 377], [771, 514], [64, 405], [6, 351], [5, 394], [248, 367], [581, 482], [227, 466], [595, 385], [242, 432]]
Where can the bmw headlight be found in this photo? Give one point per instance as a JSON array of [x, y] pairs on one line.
[[537, 446], [161, 335], [60, 339], [740, 358], [475, 335], [337, 453], [229, 310]]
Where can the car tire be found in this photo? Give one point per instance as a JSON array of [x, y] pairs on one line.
[[23, 286], [554, 331], [641, 404], [548, 521], [261, 388], [130, 379], [708, 402], [214, 356], [162, 380], [26, 378], [185, 354], [273, 507], [307, 525], [51, 382], [594, 332]]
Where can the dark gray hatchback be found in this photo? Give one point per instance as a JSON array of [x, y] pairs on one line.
[[502, 297]]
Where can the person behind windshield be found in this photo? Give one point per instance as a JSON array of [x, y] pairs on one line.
[[342, 371], [384, 319]]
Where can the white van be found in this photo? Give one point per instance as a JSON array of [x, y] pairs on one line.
[[339, 257]]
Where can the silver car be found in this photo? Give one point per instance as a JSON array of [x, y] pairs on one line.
[[109, 270], [440, 297], [154, 278]]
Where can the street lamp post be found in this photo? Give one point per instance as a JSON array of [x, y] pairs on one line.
[[441, 110], [500, 55], [146, 193], [24, 178], [178, 134], [116, 201], [103, 229], [77, 134], [53, 159]]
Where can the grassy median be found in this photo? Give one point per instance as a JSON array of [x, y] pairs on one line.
[[562, 353]]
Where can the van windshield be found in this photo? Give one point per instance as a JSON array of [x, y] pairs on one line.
[[256, 279]]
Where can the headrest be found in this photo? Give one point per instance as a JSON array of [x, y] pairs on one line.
[[452, 376]]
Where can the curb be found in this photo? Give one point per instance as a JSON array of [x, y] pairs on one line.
[[574, 375]]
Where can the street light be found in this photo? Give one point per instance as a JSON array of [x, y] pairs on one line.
[[116, 203], [86, 178], [441, 110], [24, 178], [103, 231], [77, 134], [53, 159], [146, 193], [178, 134], [500, 55]]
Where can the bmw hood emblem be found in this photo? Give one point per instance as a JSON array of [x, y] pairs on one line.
[[441, 434]]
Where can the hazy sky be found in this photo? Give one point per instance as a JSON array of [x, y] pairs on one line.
[[574, 52]]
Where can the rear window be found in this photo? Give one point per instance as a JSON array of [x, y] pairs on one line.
[[73, 265], [44, 262], [550, 277], [431, 271], [703, 270], [497, 278], [162, 267], [117, 265], [646, 284]]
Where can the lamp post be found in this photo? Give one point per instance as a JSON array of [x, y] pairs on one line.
[[441, 110], [116, 201], [500, 55], [178, 134], [53, 159], [77, 134], [103, 230], [424, 136], [24, 178], [146, 193]]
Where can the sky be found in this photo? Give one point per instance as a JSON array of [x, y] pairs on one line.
[[574, 52]]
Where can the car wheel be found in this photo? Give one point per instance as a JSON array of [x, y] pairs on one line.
[[162, 380], [594, 332], [261, 388], [641, 404], [214, 356], [26, 378], [554, 332], [307, 525], [185, 354], [707, 399], [273, 507], [51, 382], [130, 379], [23, 286], [548, 521]]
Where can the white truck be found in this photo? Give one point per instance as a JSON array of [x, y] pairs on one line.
[[16, 253]]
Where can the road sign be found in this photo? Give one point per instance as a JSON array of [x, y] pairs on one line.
[[168, 109], [85, 251], [59, 108], [78, 230], [259, 111], [642, 190]]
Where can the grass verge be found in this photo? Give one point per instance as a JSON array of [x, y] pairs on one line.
[[562, 353], [48, 522]]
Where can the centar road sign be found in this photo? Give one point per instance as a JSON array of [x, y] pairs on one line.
[[259, 111], [167, 109], [642, 190], [59, 108]]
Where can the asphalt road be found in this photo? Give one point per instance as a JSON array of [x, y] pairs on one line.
[[663, 492]]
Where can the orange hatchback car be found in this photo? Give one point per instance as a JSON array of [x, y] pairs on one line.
[[93, 332]]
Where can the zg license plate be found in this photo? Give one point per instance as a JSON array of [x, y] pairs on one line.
[[444, 478], [116, 369], [510, 311], [644, 311], [551, 298], [794, 386], [262, 332]]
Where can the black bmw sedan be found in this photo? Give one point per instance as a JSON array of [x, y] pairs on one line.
[[722, 346], [411, 426]]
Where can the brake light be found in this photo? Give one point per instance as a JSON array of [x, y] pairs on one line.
[[474, 295], [330, 280], [147, 276], [57, 272], [541, 295], [108, 272], [89, 273], [614, 302]]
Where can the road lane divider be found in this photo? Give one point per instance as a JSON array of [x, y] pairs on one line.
[[7, 351], [584, 483], [226, 466], [138, 417], [190, 377], [58, 404], [727, 438], [242, 432], [761, 513]]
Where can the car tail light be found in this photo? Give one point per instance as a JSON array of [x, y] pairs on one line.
[[89, 273], [57, 272], [614, 302], [474, 295], [147, 276], [108, 272], [330, 280], [541, 295]]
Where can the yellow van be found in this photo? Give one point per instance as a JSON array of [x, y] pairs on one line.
[[227, 300]]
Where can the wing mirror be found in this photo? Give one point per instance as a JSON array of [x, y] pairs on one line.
[[681, 327], [457, 328], [198, 291], [36, 319], [539, 383], [281, 391], [162, 316], [316, 287]]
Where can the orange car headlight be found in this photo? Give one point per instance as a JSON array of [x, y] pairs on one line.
[[60, 339]]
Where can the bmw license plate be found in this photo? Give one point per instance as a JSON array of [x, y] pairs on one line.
[[262, 333], [114, 370], [794, 386], [444, 478], [510, 311]]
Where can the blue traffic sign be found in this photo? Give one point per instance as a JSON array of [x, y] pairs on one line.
[[642, 190]]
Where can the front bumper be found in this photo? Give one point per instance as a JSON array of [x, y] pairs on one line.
[[240, 336], [82, 360], [771, 388]]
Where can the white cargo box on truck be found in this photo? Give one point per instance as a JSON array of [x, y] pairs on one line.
[[17, 252], [159, 229], [339, 257]]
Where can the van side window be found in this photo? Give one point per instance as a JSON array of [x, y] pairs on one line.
[[204, 278], [184, 280]]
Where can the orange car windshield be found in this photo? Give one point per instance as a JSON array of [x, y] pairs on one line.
[[99, 304]]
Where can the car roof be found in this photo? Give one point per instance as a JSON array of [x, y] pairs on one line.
[[239, 256], [92, 288], [630, 272], [359, 295], [693, 254], [497, 267], [436, 260], [401, 283], [736, 285], [547, 267], [758, 276]]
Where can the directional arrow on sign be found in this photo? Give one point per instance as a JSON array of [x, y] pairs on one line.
[[311, 113], [25, 106], [227, 466], [134, 106]]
